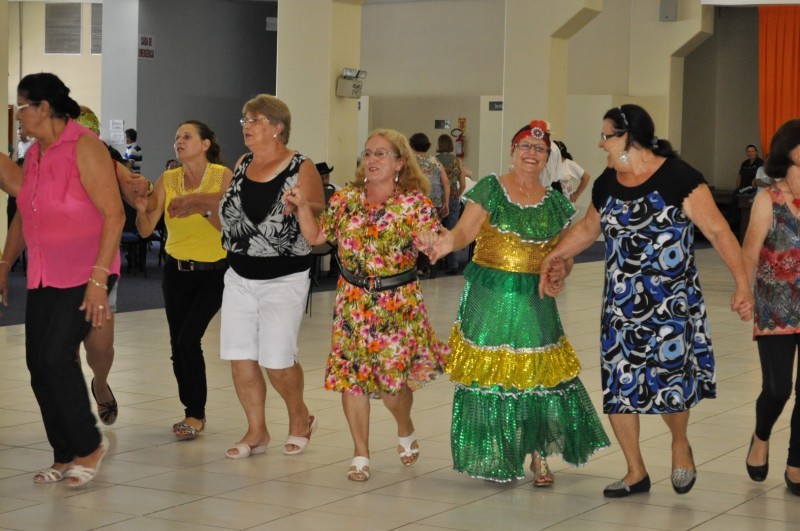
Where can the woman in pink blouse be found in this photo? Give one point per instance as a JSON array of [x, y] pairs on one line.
[[71, 216]]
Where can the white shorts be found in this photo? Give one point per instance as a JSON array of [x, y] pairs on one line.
[[261, 318]]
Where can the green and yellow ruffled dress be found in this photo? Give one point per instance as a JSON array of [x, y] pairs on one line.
[[517, 386]]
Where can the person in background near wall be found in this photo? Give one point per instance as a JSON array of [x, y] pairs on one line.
[[574, 179], [747, 171], [133, 151], [188, 197], [70, 211], [455, 176], [772, 260], [439, 190], [517, 389], [383, 345], [656, 354], [172, 164]]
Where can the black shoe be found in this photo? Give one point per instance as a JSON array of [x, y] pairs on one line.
[[794, 488], [683, 479], [621, 490], [756, 473]]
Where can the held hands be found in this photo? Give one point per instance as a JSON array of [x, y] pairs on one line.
[[742, 303], [137, 185], [435, 245], [294, 200], [551, 276]]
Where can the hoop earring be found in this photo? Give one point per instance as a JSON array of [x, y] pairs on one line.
[[624, 157]]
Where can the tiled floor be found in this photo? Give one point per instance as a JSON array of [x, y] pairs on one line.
[[150, 481]]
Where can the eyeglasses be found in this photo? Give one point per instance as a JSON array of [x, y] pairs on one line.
[[538, 148], [604, 137], [252, 121], [378, 153], [18, 108]]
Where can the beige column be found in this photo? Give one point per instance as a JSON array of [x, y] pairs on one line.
[[9, 99], [316, 39], [535, 65]]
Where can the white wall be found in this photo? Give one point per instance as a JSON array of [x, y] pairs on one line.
[[120, 67], [432, 60], [80, 72]]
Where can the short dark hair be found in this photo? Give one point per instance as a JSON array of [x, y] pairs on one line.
[[785, 140], [751, 146], [419, 142], [131, 133], [444, 144]]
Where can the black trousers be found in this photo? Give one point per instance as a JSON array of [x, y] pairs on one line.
[[777, 354], [54, 329], [191, 300]]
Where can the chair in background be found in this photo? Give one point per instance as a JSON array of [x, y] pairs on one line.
[[133, 246], [319, 252]]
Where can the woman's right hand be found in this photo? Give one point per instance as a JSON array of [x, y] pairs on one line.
[[435, 245]]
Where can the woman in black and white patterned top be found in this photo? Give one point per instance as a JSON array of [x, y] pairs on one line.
[[268, 279]]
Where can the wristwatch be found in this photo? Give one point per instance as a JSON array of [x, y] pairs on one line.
[[207, 214]]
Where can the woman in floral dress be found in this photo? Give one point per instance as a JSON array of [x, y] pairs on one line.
[[382, 344], [516, 374]]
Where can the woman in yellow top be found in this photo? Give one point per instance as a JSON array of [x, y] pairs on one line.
[[188, 197]]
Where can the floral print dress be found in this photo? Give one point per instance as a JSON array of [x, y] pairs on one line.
[[382, 340]]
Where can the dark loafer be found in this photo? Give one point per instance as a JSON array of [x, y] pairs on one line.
[[794, 488], [621, 490], [756, 473]]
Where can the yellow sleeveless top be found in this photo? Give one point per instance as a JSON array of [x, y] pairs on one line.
[[192, 237]]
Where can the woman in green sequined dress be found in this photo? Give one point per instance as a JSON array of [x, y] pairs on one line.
[[516, 375]]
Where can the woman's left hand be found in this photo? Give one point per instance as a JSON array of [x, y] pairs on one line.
[[95, 304], [742, 302], [294, 199], [444, 210], [181, 206]]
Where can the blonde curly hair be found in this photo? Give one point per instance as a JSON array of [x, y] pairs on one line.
[[410, 178]]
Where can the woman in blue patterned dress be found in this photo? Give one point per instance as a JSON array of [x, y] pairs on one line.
[[655, 344]]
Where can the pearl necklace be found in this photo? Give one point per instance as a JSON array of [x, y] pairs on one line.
[[199, 186]]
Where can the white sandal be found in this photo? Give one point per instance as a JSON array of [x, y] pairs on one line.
[[359, 465], [408, 452], [48, 475]]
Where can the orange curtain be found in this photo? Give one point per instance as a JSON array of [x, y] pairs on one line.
[[779, 68]]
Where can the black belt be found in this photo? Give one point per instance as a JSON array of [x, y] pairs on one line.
[[193, 265], [372, 284]]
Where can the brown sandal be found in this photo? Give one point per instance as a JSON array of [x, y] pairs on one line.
[[542, 477]]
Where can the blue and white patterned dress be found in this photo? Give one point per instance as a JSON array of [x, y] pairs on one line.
[[656, 350]]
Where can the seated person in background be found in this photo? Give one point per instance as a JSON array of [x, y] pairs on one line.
[[745, 183], [172, 164], [748, 169]]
